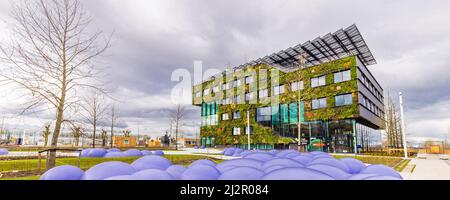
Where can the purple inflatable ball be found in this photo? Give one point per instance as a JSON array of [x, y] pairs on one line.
[[354, 165], [360, 176], [304, 160], [85, 152], [317, 153], [381, 170], [238, 151], [244, 153], [307, 155], [203, 147], [200, 172], [158, 153], [203, 162], [115, 155], [285, 152], [322, 156], [382, 178], [296, 174], [65, 172], [260, 156], [334, 172], [239, 162], [121, 178], [242, 173], [132, 153], [4, 152], [282, 162], [236, 155], [176, 170], [273, 152], [146, 152], [228, 152], [96, 153], [152, 174], [273, 168], [331, 162], [108, 169], [195, 147], [291, 155], [151, 162], [113, 150]]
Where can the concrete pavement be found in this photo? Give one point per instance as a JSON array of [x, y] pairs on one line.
[[430, 168]]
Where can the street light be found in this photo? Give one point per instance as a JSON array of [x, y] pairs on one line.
[[405, 148]]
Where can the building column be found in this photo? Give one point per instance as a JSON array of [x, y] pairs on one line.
[[355, 143]]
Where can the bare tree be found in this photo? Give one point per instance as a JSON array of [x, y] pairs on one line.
[[113, 122], [104, 136], [177, 115], [51, 56], [94, 110], [127, 133], [46, 133], [393, 129], [77, 132]]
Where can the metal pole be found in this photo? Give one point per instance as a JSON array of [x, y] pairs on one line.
[[355, 142], [248, 128], [405, 148]]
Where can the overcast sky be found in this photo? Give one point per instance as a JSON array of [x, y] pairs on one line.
[[410, 40]]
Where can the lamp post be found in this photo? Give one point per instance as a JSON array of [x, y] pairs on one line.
[[405, 148], [248, 129]]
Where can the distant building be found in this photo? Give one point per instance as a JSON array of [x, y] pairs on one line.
[[124, 142]]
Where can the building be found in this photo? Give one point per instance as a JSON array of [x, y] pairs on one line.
[[124, 142], [325, 80]]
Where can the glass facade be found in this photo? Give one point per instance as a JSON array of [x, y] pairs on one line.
[[209, 115]]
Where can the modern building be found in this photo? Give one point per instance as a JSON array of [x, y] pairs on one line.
[[323, 86]]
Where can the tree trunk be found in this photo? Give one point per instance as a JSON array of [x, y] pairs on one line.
[[51, 160]]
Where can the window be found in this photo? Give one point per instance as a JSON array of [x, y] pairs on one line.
[[126, 142], [198, 94], [216, 89], [249, 96], [236, 131], [225, 117], [236, 83], [295, 86], [237, 99], [226, 101], [246, 130], [319, 103], [226, 86], [237, 115], [248, 79], [317, 82], [206, 92], [278, 90], [343, 100], [263, 93], [342, 76], [263, 114]]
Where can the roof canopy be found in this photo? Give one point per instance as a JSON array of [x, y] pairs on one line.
[[333, 46]]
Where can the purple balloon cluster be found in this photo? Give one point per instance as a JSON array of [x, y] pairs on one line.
[[117, 153], [4, 152], [254, 165]]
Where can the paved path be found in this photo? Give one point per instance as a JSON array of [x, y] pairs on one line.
[[430, 168]]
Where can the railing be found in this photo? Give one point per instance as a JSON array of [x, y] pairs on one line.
[[56, 150]]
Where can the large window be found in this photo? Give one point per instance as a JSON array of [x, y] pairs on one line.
[[236, 83], [293, 113], [342, 76], [263, 93], [319, 103], [237, 115], [343, 100], [236, 131], [263, 114], [225, 117], [226, 86], [237, 99], [278, 90], [249, 96], [295, 86], [248, 79], [317, 82], [216, 89], [198, 94], [206, 92]]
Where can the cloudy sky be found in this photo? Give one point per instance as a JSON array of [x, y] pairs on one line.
[[408, 38]]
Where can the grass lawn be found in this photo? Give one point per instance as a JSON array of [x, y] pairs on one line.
[[85, 163]]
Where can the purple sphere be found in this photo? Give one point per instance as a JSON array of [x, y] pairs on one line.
[[260, 156], [360, 176], [113, 150], [132, 153], [381, 170], [158, 153], [176, 170], [151, 162], [115, 155], [281, 162], [96, 153], [304, 160], [203, 162], [273, 168], [108, 169], [332, 162], [121, 178], [85, 152], [152, 174], [200, 172], [354, 165], [239, 162], [4, 152], [146, 152], [334, 172], [285, 152], [296, 174], [378, 178], [242, 173], [65, 172]]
